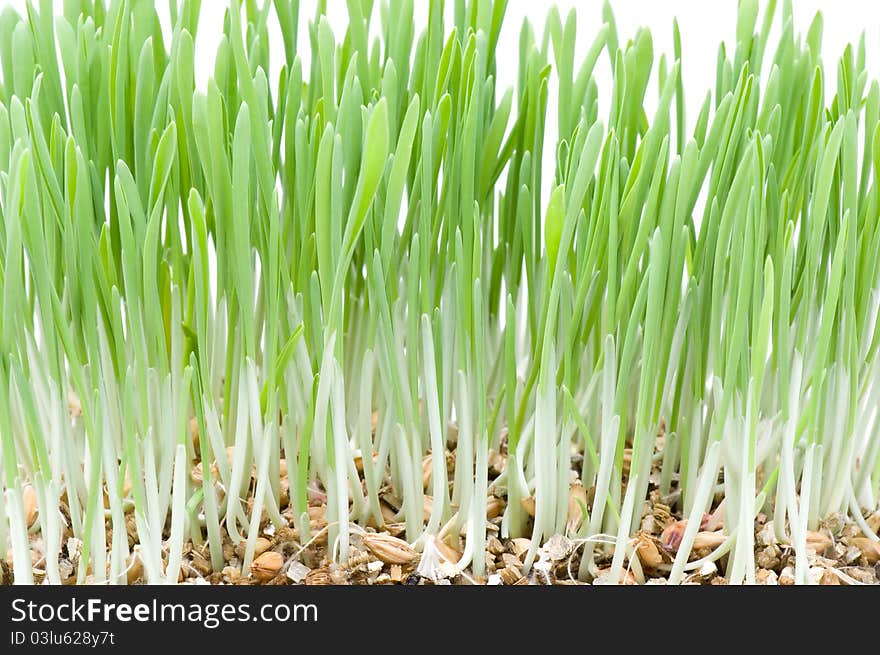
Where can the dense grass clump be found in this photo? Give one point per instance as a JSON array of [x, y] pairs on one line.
[[356, 287]]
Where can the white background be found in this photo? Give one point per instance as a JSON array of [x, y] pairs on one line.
[[704, 24]]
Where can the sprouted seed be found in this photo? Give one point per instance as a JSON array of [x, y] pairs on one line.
[[261, 304]]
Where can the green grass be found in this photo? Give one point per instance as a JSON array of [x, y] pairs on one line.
[[283, 256]]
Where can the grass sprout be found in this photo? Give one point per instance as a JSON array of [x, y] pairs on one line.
[[353, 285]]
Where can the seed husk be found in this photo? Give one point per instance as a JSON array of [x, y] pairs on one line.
[[266, 566], [390, 550], [520, 546], [135, 567], [869, 548], [577, 501], [447, 552], [706, 539], [318, 577], [510, 575], [494, 507], [29, 498], [819, 542], [672, 535], [649, 554]]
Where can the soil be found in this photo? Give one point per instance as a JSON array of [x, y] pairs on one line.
[[838, 552]]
